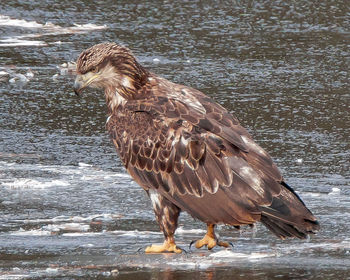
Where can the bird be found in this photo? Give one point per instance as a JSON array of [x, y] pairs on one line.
[[189, 153]]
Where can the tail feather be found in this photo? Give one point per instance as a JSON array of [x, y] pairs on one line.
[[283, 230], [287, 216]]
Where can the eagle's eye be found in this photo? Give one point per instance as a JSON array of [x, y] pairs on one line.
[[93, 69]]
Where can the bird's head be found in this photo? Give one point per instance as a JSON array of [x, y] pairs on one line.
[[111, 67]]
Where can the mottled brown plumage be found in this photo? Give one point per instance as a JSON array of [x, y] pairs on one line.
[[187, 151]]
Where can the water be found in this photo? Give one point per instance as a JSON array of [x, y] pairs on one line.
[[69, 210]]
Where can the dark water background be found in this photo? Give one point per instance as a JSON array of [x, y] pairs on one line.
[[68, 210]]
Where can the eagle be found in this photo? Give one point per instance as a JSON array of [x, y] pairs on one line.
[[189, 153]]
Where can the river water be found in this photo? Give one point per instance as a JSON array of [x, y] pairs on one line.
[[68, 210]]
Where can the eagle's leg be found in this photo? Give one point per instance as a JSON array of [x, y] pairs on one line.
[[167, 215], [210, 239]]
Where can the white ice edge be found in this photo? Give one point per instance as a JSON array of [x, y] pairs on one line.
[[135, 233], [14, 276], [119, 233], [191, 265], [81, 231], [181, 231], [34, 184], [18, 42], [234, 255], [8, 21], [77, 219], [44, 29], [335, 191], [34, 232], [74, 227]]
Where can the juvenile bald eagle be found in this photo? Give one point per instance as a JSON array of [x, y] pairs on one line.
[[188, 153]]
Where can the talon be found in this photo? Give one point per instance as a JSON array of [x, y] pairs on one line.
[[182, 250], [189, 247], [139, 250]]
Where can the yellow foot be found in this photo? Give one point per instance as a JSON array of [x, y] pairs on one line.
[[210, 243], [167, 247], [210, 240]]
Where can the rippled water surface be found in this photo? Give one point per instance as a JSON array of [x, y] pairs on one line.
[[68, 208]]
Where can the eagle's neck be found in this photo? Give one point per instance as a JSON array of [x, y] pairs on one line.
[[126, 83], [114, 99], [126, 89]]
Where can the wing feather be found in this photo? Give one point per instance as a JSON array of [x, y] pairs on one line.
[[194, 155]]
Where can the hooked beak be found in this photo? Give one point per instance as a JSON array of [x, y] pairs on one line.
[[83, 81], [78, 85]]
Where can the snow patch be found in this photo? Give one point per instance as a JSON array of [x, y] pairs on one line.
[[182, 231], [13, 42], [42, 30], [34, 184], [231, 254], [7, 21], [335, 191], [34, 232]]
